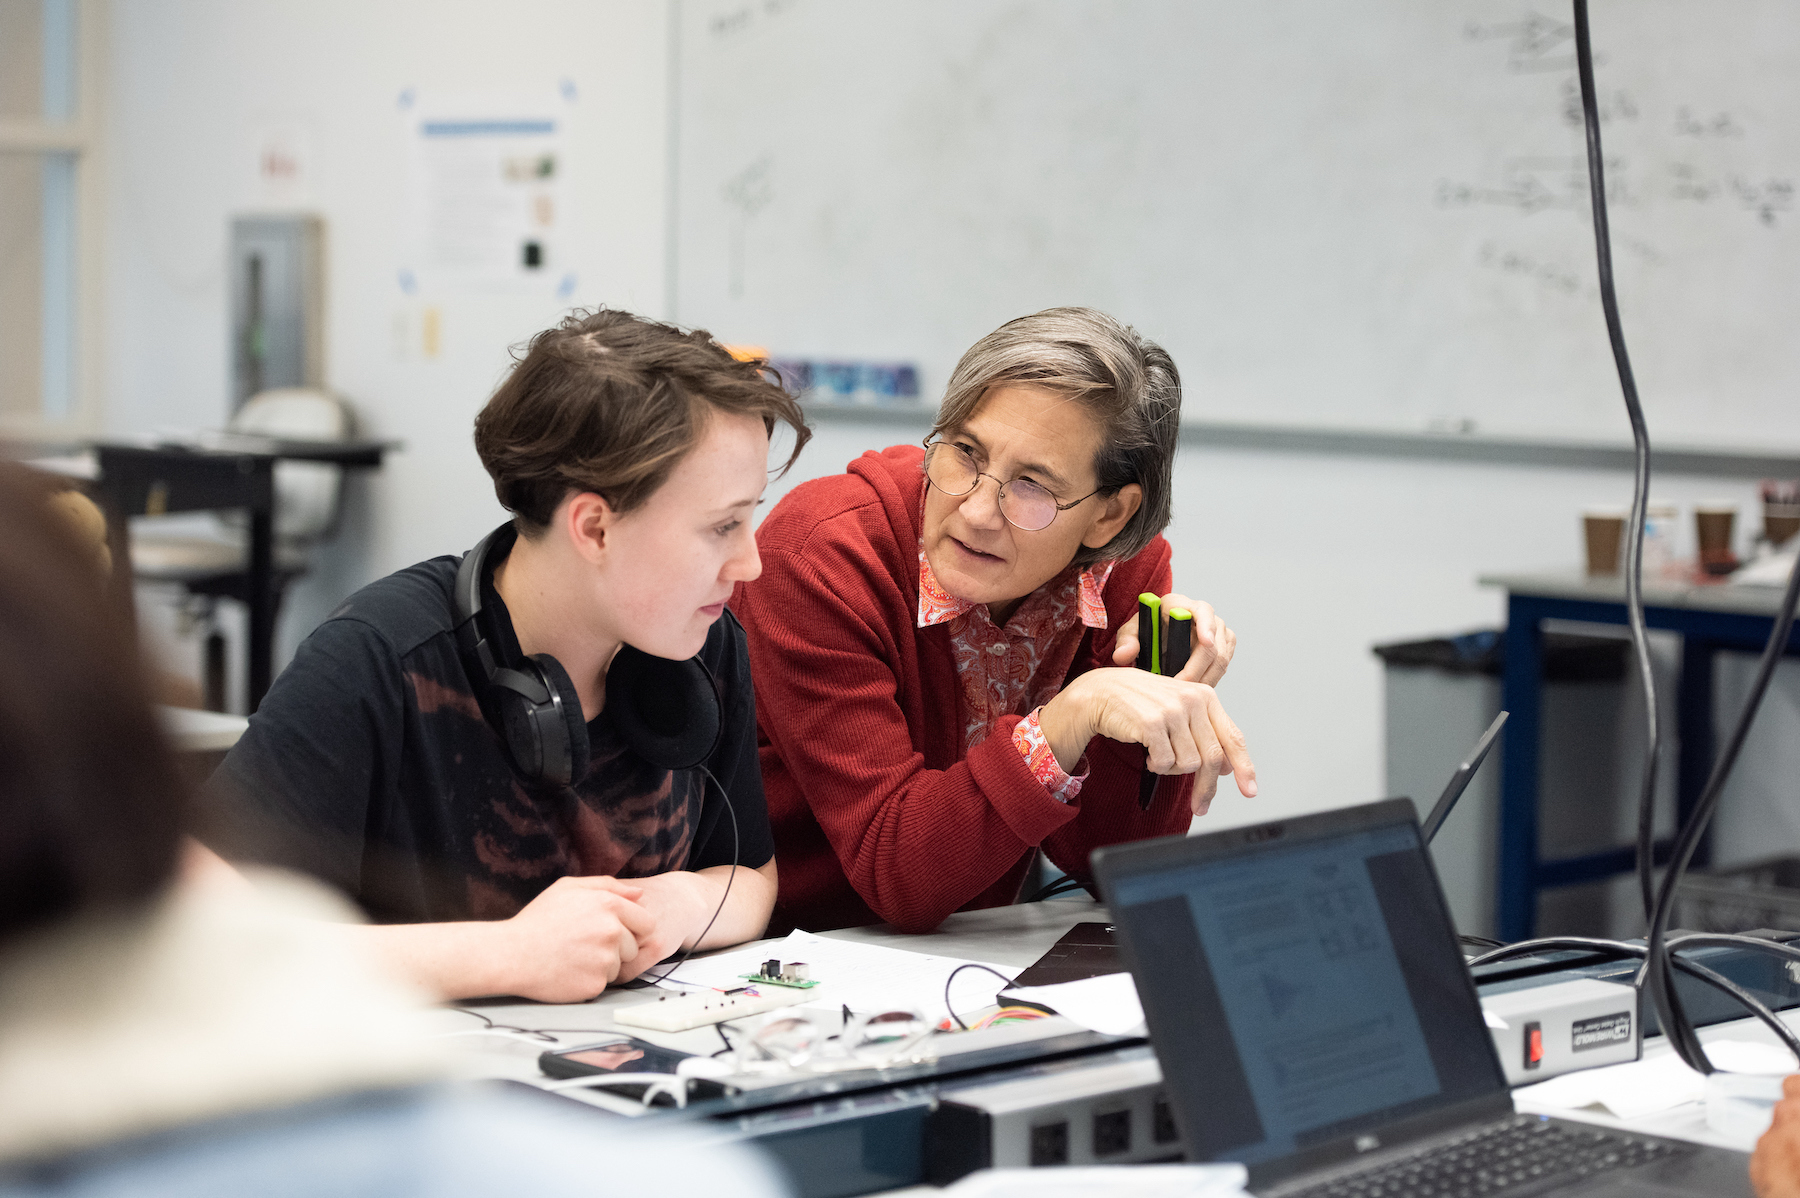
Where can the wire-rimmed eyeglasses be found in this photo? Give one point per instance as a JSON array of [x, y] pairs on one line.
[[1026, 505]]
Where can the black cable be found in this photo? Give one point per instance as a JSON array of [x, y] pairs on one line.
[[1526, 948], [491, 1026], [1640, 441], [952, 978], [1733, 940], [548, 1035], [1061, 885], [1480, 942], [1770, 1020], [1656, 974], [736, 846], [1676, 1024]]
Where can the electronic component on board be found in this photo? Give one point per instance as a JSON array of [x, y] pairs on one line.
[[774, 973]]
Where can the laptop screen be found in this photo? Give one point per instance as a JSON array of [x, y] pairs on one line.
[[1303, 988]]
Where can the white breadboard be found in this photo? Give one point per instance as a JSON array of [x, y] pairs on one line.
[[679, 1012]]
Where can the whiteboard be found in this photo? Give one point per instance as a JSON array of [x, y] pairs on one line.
[[1365, 215]]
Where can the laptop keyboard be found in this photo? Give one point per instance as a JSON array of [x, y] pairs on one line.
[[1506, 1158]]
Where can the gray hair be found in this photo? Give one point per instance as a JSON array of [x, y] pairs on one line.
[[1128, 381]]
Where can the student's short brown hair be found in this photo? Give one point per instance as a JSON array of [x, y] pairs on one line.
[[91, 801], [609, 402]]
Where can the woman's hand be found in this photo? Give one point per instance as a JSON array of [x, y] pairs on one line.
[[1213, 644], [1182, 725]]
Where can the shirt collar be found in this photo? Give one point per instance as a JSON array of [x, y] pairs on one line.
[[938, 606]]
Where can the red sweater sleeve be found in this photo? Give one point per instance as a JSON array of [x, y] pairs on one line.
[[850, 710]]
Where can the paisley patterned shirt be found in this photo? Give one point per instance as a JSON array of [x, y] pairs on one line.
[[1017, 669]]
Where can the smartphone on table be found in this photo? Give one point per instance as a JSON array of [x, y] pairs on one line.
[[623, 1054]]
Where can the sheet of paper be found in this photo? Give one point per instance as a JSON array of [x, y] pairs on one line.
[[1105, 1181], [1108, 1003], [1637, 1088], [864, 977]]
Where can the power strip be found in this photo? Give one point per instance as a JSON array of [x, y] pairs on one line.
[[1543, 1030], [697, 1008], [1108, 1109]]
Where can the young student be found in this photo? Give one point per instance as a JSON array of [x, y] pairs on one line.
[[165, 1033], [535, 765], [940, 637]]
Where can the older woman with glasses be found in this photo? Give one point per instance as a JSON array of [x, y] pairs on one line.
[[941, 642]]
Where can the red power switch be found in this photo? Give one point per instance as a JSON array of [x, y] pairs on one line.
[[1534, 1045]]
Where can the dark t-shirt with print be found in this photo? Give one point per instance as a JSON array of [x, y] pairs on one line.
[[370, 766]]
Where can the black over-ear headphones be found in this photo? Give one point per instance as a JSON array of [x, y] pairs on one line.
[[667, 711]]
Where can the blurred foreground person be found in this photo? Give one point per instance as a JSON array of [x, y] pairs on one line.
[[166, 1035]]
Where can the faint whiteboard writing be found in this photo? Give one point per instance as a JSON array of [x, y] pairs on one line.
[[1766, 199], [748, 192], [1615, 105], [1537, 184], [1721, 124], [1533, 44], [1553, 275]]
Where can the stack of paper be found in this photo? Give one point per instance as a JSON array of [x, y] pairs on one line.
[[1107, 1004], [867, 978]]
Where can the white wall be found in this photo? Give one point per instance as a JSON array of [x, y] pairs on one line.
[[190, 83], [1312, 558]]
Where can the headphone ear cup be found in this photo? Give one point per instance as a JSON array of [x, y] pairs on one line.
[[667, 711], [524, 739], [564, 732]]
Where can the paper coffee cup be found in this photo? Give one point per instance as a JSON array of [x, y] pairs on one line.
[[1780, 521], [1603, 530], [1713, 526]]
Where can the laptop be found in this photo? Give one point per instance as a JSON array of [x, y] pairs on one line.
[[1314, 1020], [1460, 779]]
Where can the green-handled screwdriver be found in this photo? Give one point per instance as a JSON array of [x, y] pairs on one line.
[[1161, 653]]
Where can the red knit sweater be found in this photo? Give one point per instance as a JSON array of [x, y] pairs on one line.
[[876, 813]]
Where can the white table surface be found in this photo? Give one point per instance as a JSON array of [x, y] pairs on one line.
[[1687, 1121], [1007, 936], [1010, 936]]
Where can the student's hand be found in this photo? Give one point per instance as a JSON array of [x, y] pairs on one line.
[[575, 938], [1775, 1165], [680, 903], [1213, 642], [1182, 724]]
